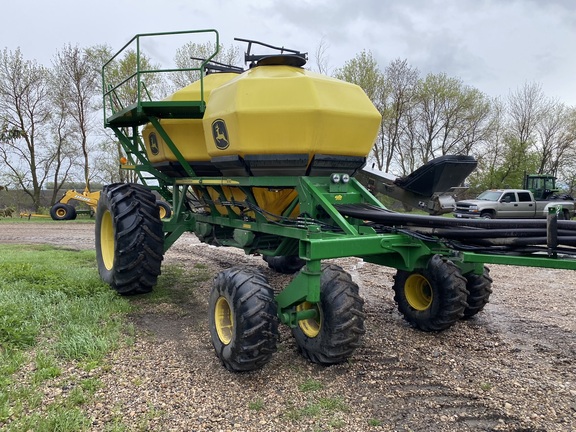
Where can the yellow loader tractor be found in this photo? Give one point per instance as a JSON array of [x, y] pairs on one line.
[[62, 210]]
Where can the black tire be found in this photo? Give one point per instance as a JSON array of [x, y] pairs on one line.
[[129, 238], [333, 336], [479, 288], [243, 320], [434, 298], [61, 211], [285, 264], [164, 208], [487, 215]]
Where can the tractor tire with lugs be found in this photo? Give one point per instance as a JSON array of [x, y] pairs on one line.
[[129, 238], [335, 333], [61, 211], [479, 288], [432, 298], [242, 318]]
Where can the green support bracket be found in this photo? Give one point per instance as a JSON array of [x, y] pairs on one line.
[[304, 287]]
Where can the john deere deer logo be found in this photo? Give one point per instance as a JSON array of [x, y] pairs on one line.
[[153, 144], [220, 134]]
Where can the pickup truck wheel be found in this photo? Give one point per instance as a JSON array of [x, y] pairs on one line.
[[333, 335], [487, 215], [479, 288], [432, 298], [243, 320], [129, 238]]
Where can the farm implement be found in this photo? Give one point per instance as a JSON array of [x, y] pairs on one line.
[[264, 159]]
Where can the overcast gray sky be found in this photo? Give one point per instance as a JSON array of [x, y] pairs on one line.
[[493, 45]]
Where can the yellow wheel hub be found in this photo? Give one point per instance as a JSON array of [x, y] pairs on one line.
[[418, 292], [61, 212], [311, 326], [223, 320], [107, 240]]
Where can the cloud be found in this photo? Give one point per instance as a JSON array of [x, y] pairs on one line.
[[493, 45]]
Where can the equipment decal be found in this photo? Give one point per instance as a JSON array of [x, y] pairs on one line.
[[220, 134]]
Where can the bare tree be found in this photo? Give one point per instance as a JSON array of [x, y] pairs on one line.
[[400, 82], [64, 150], [321, 57], [24, 100], [555, 137], [526, 106], [76, 81]]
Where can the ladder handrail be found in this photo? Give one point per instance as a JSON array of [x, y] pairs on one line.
[[108, 88]]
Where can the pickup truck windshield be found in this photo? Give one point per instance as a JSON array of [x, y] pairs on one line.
[[489, 196]]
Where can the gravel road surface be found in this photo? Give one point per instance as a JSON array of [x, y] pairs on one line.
[[511, 368]]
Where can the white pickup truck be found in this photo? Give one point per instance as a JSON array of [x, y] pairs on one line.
[[511, 204]]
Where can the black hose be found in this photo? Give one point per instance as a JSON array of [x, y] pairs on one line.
[[459, 233], [386, 217], [492, 236]]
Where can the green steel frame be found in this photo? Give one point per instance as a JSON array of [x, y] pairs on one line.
[[323, 234]]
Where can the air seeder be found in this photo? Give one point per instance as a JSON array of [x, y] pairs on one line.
[[264, 160]]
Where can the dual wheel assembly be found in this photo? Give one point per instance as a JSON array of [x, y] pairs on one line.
[[244, 322], [436, 297]]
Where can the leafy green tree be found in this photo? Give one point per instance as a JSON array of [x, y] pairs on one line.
[[490, 153], [9, 134], [515, 163], [363, 70], [124, 84], [187, 56], [451, 116]]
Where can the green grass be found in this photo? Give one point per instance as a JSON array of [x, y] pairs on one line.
[[310, 385], [323, 407], [56, 312], [256, 405], [54, 309]]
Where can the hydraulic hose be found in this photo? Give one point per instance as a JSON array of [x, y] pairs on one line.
[[511, 234]]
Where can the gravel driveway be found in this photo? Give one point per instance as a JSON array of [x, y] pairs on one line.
[[511, 368]]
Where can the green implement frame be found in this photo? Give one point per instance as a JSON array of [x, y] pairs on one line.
[[224, 211]]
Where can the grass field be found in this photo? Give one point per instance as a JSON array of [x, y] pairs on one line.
[[54, 311]]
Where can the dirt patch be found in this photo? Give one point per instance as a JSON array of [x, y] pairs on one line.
[[510, 368]]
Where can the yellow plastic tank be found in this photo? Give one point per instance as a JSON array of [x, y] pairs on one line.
[[285, 120], [188, 134]]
